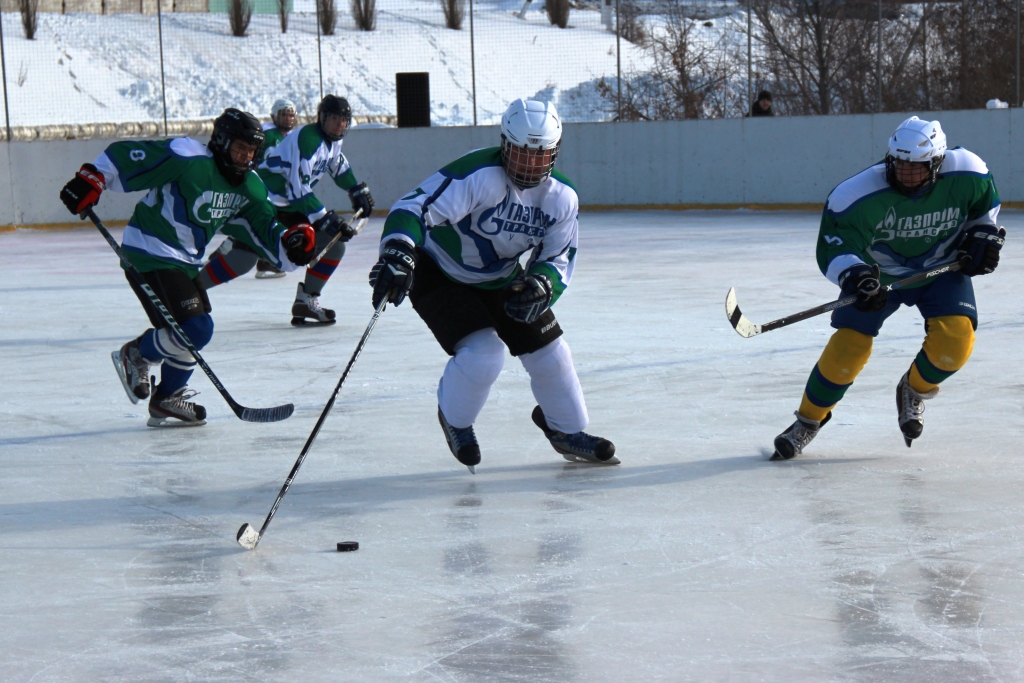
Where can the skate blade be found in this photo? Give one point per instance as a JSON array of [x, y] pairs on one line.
[[471, 468], [267, 275], [124, 380], [570, 457], [908, 440], [172, 422], [306, 322]]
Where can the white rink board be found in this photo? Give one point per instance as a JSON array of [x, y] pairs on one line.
[[695, 560]]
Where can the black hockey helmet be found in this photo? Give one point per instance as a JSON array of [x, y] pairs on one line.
[[332, 105], [234, 124]]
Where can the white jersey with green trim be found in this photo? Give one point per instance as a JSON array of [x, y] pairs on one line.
[[477, 225]]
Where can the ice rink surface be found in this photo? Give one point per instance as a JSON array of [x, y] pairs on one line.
[[694, 560]]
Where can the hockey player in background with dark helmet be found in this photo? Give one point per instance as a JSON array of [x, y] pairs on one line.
[[923, 207], [291, 170], [454, 244], [194, 191], [283, 116]]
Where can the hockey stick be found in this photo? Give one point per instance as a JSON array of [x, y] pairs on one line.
[[748, 329], [334, 240], [247, 536], [275, 414]]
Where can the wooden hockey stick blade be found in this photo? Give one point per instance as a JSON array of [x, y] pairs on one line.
[[743, 326], [247, 537]]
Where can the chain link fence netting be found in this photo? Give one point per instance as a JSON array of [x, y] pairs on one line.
[[104, 68]]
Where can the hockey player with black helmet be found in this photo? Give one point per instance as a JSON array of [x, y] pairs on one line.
[[454, 247], [194, 191], [923, 207], [291, 170]]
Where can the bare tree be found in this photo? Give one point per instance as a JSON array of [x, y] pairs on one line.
[[558, 12], [690, 78], [283, 7], [454, 13], [364, 13], [239, 15], [631, 25], [29, 22], [328, 15]]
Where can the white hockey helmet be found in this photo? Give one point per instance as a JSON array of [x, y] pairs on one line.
[[282, 105], [531, 135], [916, 141]]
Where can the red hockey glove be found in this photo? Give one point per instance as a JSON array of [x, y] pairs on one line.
[[299, 242], [83, 191]]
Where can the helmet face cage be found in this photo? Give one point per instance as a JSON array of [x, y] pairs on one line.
[[890, 174], [332, 105], [230, 126], [527, 166]]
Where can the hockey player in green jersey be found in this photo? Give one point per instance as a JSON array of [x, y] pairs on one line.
[[282, 121], [194, 191], [291, 170], [453, 245], [924, 206]]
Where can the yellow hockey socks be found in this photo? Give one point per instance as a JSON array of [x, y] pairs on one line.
[[947, 346], [842, 360]]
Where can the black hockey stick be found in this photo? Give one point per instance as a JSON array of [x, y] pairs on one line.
[[334, 240], [275, 414], [748, 329], [247, 536]]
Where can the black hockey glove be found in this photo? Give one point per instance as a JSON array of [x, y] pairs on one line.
[[982, 244], [332, 224], [361, 199], [862, 280], [527, 297], [299, 243], [83, 191], [391, 276]]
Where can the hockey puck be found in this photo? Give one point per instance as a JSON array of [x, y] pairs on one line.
[[347, 546]]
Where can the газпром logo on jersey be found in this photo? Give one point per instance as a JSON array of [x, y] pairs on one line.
[[509, 216], [211, 205], [928, 224]]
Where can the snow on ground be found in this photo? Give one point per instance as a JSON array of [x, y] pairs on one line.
[[694, 560], [92, 68]]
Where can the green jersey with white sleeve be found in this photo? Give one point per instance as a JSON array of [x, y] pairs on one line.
[[477, 225], [294, 166], [188, 202], [866, 221]]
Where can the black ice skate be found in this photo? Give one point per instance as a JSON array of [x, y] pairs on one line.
[[910, 405], [133, 370], [175, 410], [462, 442], [578, 447], [306, 309], [794, 440], [265, 270]]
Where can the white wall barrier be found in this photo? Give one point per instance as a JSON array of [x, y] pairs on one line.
[[784, 160]]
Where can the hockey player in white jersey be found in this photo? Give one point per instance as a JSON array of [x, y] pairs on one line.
[[283, 115], [454, 244], [290, 171]]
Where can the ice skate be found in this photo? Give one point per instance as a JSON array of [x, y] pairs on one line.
[[462, 442], [578, 447], [794, 440], [910, 405], [133, 370], [265, 270], [306, 309], [175, 410]]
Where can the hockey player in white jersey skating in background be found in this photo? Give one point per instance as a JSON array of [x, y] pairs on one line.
[[453, 246], [283, 115], [291, 170]]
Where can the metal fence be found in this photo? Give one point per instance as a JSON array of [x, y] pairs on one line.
[[145, 70], [101, 68]]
